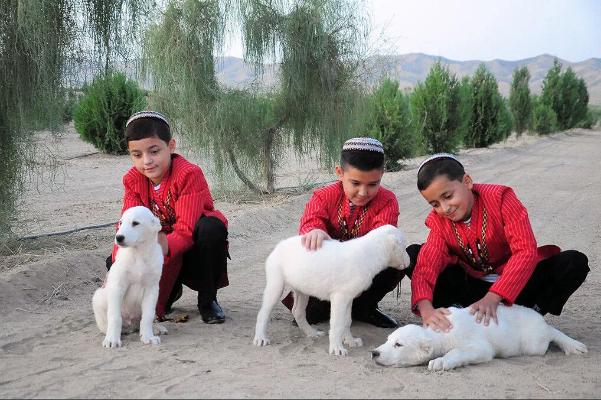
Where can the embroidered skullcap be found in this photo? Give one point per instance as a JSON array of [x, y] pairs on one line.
[[363, 144], [437, 156], [147, 114]]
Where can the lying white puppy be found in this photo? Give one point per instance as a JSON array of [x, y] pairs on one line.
[[521, 331], [338, 272], [131, 290]]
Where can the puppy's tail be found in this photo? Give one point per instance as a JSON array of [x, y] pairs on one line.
[[566, 343]]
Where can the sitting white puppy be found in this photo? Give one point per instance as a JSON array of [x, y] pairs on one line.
[[521, 331], [131, 290], [338, 272]]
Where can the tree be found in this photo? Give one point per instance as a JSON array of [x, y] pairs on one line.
[[388, 120], [490, 121], [34, 38], [519, 99], [316, 43], [436, 109]]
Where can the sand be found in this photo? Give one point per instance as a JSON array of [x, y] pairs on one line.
[[51, 347]]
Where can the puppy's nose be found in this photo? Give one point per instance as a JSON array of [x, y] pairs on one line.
[[375, 353], [119, 238]]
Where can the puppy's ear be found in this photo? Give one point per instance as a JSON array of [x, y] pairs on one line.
[[426, 346]]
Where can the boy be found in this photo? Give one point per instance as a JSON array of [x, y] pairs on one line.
[[481, 251], [194, 234], [350, 208]]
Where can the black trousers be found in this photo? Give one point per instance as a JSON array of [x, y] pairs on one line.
[[384, 282], [204, 266], [548, 289]]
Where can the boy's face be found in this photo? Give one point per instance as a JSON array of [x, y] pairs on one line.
[[360, 187], [451, 199], [151, 157]]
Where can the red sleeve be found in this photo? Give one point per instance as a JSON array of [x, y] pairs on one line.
[[432, 259], [388, 215], [315, 215], [523, 259], [192, 200]]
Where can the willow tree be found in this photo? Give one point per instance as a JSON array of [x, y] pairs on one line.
[[34, 36], [316, 44]]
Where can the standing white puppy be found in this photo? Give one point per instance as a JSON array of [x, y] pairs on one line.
[[338, 272], [131, 289]]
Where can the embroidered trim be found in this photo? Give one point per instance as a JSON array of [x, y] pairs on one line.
[[345, 234], [479, 261]]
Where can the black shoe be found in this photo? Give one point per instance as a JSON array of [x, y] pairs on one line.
[[377, 318], [211, 313]]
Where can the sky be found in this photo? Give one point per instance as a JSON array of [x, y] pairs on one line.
[[484, 29]]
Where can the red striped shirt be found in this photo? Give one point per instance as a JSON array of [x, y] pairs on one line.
[[511, 244], [181, 200], [321, 211]]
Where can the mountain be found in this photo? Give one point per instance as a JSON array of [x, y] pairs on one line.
[[410, 69]]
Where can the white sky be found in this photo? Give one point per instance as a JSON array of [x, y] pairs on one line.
[[485, 29]]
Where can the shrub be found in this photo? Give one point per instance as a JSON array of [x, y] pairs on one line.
[[544, 119], [103, 110], [436, 110], [388, 120], [519, 99]]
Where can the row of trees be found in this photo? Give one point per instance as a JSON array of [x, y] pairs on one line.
[[316, 104]]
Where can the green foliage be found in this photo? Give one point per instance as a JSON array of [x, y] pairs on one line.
[[566, 94], [70, 99], [489, 123], [388, 120], [519, 99], [311, 106], [436, 110], [544, 120], [34, 37], [103, 110]]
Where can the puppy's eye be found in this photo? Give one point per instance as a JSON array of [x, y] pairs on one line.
[[135, 223], [397, 345]]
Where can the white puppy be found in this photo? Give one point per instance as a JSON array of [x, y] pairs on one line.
[[131, 290], [521, 331], [338, 272]]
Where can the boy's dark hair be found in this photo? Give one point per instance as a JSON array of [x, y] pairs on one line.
[[147, 126], [362, 160], [450, 167]]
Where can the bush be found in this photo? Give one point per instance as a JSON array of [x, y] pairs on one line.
[[544, 119], [388, 120], [102, 112], [490, 120], [519, 99], [436, 110]]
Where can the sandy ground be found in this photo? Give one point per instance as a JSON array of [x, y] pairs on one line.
[[51, 347]]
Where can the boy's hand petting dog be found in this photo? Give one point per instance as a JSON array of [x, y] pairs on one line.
[[435, 318], [485, 309], [312, 240]]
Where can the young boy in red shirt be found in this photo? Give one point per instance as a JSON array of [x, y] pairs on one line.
[[347, 209], [194, 234], [481, 251]]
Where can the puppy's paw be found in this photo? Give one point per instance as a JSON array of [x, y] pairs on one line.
[[316, 333], [158, 329], [436, 365], [154, 340], [576, 348], [353, 341], [261, 341], [338, 350], [111, 342]]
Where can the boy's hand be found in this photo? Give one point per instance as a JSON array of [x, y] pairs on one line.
[[485, 309], [164, 243], [312, 239], [435, 318]]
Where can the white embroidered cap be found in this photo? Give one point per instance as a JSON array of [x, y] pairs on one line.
[[147, 114], [436, 157], [363, 144]]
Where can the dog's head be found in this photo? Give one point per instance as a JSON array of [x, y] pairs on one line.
[[396, 247], [138, 225], [408, 345]]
